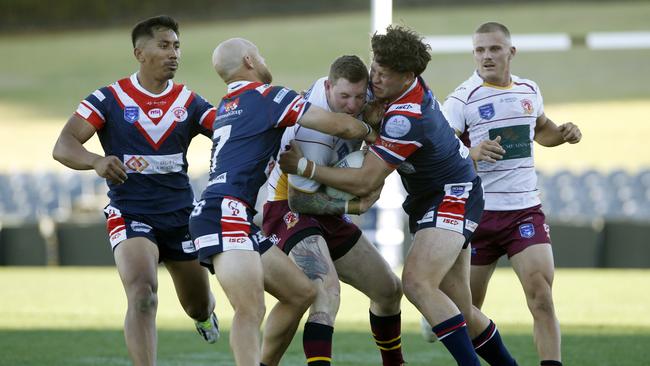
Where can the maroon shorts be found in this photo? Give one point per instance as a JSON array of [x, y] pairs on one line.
[[286, 228], [501, 232]]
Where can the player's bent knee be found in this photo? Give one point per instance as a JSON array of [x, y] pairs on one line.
[[198, 310]]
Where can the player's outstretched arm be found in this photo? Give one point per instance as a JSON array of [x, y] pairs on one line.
[[548, 134], [337, 124], [360, 182], [69, 151]]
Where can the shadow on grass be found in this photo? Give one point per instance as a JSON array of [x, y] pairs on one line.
[[593, 346]]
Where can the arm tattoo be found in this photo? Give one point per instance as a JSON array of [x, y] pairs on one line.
[[309, 258], [317, 203]]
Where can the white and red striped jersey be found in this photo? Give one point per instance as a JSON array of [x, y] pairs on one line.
[[481, 111]]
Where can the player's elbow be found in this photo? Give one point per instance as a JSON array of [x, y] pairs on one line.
[[57, 152]]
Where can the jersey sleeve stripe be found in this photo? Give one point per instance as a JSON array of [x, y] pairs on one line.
[[293, 112], [91, 106], [401, 142], [99, 95], [207, 119], [372, 148], [89, 116], [391, 152]]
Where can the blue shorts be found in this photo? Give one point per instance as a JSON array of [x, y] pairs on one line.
[[225, 223], [169, 231], [457, 208]]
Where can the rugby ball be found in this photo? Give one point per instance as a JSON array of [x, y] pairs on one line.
[[352, 160]]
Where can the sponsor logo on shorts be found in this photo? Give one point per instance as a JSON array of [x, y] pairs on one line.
[[486, 111], [259, 237], [470, 225], [237, 242], [450, 224], [140, 227], [221, 178], [188, 246], [527, 230], [206, 241], [117, 237], [131, 113], [291, 219], [274, 239], [457, 190], [428, 217]]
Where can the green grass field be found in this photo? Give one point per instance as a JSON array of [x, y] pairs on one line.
[[73, 316]]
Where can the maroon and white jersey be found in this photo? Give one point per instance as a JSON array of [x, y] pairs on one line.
[[482, 111]]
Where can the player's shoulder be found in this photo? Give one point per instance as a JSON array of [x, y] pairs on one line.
[[316, 93], [525, 83], [465, 90]]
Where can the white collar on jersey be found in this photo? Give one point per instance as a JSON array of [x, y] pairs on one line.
[[415, 82], [235, 85], [136, 83]]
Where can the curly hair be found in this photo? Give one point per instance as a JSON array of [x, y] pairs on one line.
[[401, 49]]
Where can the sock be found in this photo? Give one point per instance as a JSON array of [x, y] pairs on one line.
[[550, 363], [388, 336], [453, 334], [490, 347], [317, 344]]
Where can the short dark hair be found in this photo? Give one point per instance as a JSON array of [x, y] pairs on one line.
[[350, 68], [491, 27], [401, 49], [146, 27]]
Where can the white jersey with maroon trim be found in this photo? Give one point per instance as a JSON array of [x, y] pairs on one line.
[[482, 111], [321, 148], [150, 134]]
